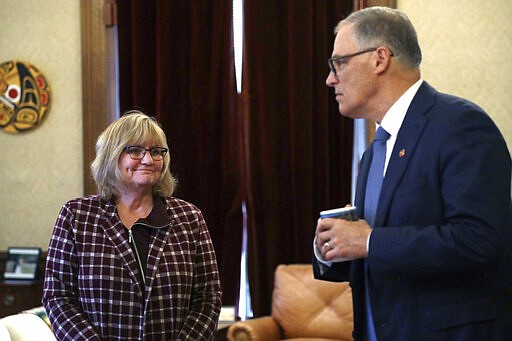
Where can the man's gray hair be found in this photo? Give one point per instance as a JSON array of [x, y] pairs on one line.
[[383, 26]]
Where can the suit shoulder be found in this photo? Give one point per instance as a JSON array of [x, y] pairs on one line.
[[460, 104], [180, 206], [91, 204], [453, 111], [83, 201]]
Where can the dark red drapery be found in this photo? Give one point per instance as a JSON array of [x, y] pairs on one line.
[[281, 146], [300, 147], [176, 61]]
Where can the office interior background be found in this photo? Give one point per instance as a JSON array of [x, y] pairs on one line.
[[466, 46]]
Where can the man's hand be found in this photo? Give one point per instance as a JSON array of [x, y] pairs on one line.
[[342, 239]]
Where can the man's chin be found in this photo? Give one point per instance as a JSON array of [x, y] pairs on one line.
[[345, 113]]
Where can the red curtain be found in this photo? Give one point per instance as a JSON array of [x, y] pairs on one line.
[[281, 146], [176, 61], [300, 148]]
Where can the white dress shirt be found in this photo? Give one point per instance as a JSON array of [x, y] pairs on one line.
[[391, 122]]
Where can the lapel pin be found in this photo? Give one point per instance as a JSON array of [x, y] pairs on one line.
[[401, 153]]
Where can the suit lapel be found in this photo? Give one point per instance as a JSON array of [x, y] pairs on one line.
[[403, 150], [115, 232], [157, 246], [364, 168], [156, 249]]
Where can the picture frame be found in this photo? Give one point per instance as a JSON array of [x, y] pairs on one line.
[[22, 263]]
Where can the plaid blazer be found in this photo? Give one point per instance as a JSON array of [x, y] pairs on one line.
[[92, 289]]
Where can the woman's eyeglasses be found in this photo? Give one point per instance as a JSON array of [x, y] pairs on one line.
[[138, 152]]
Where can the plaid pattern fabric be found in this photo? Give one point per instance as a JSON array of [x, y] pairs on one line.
[[92, 289]]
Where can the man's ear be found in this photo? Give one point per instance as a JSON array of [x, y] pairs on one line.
[[382, 59]]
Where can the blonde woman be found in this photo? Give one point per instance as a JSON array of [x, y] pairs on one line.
[[133, 262]]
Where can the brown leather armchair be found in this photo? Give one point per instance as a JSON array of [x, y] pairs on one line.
[[303, 308]]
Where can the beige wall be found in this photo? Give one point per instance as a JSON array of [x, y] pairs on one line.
[[42, 168], [467, 48]]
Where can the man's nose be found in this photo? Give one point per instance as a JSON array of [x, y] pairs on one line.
[[331, 79]]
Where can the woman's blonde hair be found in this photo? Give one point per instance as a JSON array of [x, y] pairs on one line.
[[133, 128]]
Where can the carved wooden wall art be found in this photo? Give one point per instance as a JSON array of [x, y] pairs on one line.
[[24, 96]]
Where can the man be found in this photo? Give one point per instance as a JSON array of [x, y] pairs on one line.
[[432, 260]]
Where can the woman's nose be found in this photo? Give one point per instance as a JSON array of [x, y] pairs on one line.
[[147, 158]]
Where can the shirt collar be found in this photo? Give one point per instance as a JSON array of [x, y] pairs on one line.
[[394, 117], [158, 217]]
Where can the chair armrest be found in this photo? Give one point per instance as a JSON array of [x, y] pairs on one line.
[[27, 327], [258, 329]]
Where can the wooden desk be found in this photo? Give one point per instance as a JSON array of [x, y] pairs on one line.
[[16, 297]]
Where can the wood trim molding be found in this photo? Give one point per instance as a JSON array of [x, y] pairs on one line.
[[98, 84], [359, 4], [386, 3]]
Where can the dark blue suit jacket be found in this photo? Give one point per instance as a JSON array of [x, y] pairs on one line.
[[440, 260]]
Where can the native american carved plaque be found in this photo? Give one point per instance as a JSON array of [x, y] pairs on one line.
[[24, 97]]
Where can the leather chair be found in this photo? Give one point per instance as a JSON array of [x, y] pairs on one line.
[[303, 308]]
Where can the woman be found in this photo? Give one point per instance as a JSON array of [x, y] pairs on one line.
[[133, 262]]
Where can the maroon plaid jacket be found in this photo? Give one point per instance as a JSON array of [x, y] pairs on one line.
[[92, 289]]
